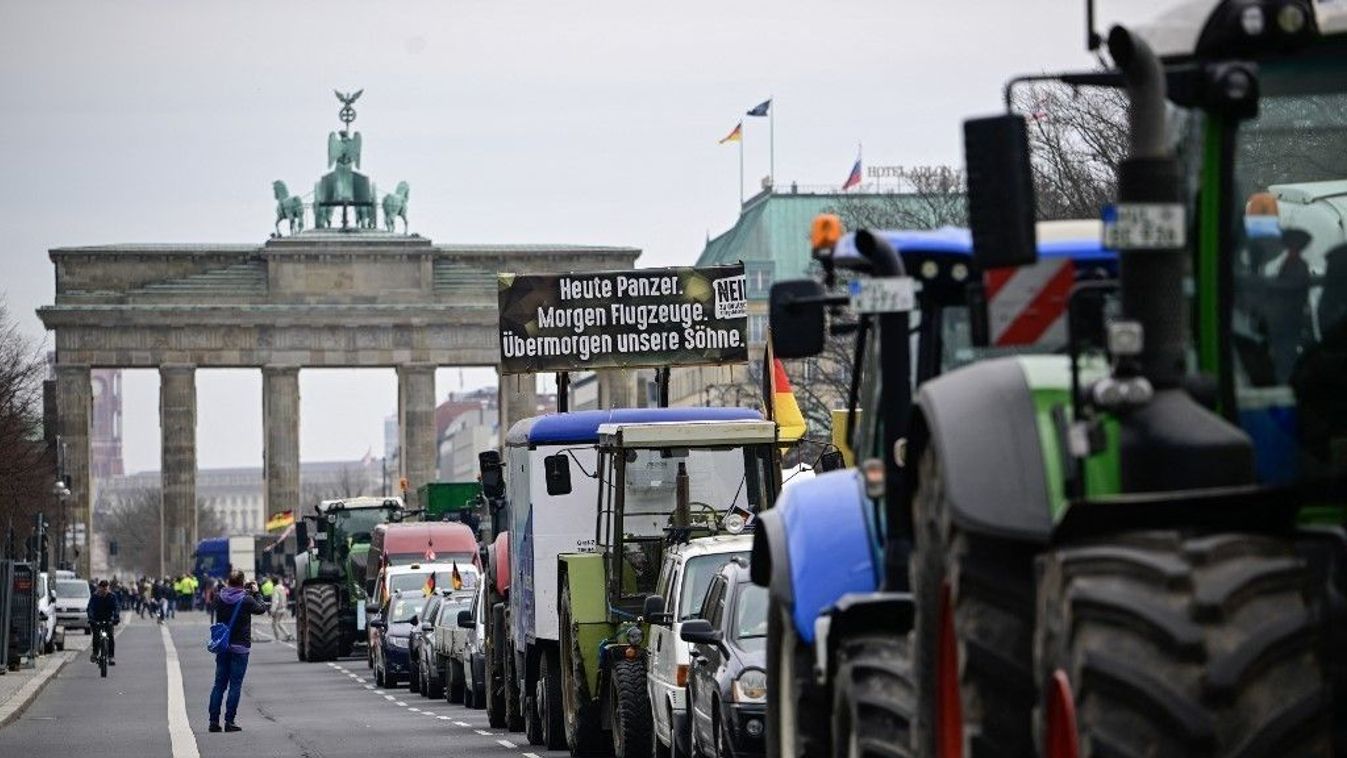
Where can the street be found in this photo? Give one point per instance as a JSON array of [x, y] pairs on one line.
[[289, 708]]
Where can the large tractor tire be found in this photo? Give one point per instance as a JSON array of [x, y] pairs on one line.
[[629, 714], [495, 671], [551, 710], [791, 693], [533, 721], [972, 643], [301, 649], [514, 698], [584, 730], [321, 631], [1156, 644], [874, 697]]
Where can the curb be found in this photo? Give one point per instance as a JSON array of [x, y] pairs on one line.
[[13, 708]]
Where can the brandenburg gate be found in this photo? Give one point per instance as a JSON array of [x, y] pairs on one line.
[[342, 294]]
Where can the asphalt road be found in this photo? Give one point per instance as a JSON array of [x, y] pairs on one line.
[[289, 708]]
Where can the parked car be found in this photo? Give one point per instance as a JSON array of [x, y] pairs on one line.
[[391, 636], [71, 603], [414, 578], [727, 681], [421, 675], [446, 639], [461, 636], [51, 635], [688, 569]]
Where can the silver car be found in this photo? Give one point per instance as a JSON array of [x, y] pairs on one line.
[[72, 603]]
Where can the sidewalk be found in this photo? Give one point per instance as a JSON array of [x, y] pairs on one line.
[[19, 688]]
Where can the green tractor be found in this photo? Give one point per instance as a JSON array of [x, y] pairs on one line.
[[330, 600], [1138, 547], [657, 482]]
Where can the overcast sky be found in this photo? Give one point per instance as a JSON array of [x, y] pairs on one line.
[[565, 122]]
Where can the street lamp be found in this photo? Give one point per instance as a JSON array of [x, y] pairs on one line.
[[62, 493]]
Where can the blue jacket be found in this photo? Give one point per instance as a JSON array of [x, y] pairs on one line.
[[103, 608]]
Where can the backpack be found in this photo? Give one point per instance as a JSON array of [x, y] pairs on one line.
[[219, 633]]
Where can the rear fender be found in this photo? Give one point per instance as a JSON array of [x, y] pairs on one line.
[[863, 613], [582, 574], [816, 545]]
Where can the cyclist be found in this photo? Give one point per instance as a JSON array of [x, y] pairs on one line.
[[103, 614]]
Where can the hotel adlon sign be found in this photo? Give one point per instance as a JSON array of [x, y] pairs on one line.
[[623, 319]]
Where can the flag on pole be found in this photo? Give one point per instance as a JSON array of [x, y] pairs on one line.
[[429, 588], [789, 420], [280, 520], [854, 180], [456, 577], [735, 136], [761, 108]]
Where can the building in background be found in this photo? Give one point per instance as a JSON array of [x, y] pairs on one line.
[[105, 439]]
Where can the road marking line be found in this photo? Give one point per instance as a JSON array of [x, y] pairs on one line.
[[506, 743], [443, 718], [179, 728], [531, 755], [369, 686], [389, 697], [483, 732], [400, 704], [463, 723], [413, 709], [429, 713]]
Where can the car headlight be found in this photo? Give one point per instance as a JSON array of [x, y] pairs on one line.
[[398, 642], [750, 687]]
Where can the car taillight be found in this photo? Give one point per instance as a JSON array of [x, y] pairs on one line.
[[681, 678]]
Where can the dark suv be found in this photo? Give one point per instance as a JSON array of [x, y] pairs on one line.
[[727, 681]]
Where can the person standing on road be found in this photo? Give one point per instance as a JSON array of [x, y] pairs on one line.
[[103, 612], [279, 612], [232, 663]]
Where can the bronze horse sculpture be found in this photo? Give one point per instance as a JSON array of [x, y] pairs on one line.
[[395, 206], [288, 208]]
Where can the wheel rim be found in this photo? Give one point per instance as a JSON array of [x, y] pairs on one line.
[[1063, 740], [948, 709]]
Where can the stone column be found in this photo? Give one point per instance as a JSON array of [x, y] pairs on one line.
[[617, 389], [518, 400], [280, 451], [74, 416], [177, 428], [416, 426]]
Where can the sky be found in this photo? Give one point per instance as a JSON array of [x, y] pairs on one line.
[[514, 122]]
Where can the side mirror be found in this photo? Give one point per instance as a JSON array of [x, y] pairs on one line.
[[493, 473], [413, 621], [427, 627], [1000, 192], [465, 620], [376, 624], [699, 632], [557, 472], [798, 328], [831, 461], [653, 607]]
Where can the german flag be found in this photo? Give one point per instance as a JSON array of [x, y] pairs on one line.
[[780, 398], [280, 520], [457, 578], [429, 588], [735, 136]]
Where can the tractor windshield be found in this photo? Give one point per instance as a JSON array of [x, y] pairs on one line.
[[719, 480], [359, 523], [1288, 323]]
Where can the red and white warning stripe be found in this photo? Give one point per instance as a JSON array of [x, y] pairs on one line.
[[1027, 305]]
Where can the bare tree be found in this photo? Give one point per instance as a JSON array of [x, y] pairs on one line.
[[132, 519], [1077, 137], [928, 197], [348, 482], [27, 466]]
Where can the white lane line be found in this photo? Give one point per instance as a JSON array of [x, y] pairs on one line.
[[506, 743], [483, 732], [413, 710], [400, 704], [464, 723], [531, 755], [429, 713], [389, 697], [369, 686], [179, 728], [442, 718]]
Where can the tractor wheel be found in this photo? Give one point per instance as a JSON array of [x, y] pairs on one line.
[[972, 643], [551, 712], [495, 685], [584, 731], [1164, 645], [455, 681], [874, 697], [791, 693], [322, 632], [629, 704], [514, 699]]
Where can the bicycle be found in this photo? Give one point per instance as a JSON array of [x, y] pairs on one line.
[[101, 630]]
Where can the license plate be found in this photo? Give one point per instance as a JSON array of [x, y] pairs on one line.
[[886, 295], [1144, 226]]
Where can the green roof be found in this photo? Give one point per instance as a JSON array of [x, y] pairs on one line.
[[774, 228]]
